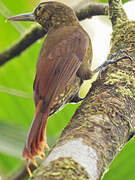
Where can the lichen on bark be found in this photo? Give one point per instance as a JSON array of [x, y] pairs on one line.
[[62, 169]]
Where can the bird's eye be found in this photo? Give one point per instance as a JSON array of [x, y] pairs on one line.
[[38, 10], [39, 7]]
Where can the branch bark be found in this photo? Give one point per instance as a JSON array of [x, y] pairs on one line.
[[105, 121], [37, 32]]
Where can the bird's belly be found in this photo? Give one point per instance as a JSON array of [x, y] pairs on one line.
[[71, 89]]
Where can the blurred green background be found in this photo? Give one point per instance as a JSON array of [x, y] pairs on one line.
[[17, 106]]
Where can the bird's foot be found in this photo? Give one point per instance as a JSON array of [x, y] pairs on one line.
[[114, 58], [39, 152], [27, 166], [41, 156], [34, 162], [29, 171]]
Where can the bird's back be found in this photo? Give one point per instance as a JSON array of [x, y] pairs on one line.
[[65, 33], [64, 50]]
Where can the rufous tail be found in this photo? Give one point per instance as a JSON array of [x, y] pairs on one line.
[[36, 140]]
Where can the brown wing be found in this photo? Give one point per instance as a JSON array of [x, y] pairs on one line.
[[56, 67]]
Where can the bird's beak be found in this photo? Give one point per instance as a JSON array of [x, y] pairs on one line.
[[23, 17]]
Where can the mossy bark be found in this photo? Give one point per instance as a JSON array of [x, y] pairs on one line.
[[106, 119], [62, 169]]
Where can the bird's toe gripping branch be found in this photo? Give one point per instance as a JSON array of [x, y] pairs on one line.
[[114, 58], [41, 156], [30, 157], [28, 164]]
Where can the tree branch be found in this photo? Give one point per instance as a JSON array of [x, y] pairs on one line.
[[37, 32], [28, 39], [116, 11], [92, 9], [104, 122]]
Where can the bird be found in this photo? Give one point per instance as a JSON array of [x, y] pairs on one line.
[[64, 62]]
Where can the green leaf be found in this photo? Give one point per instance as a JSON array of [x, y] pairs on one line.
[[123, 165]]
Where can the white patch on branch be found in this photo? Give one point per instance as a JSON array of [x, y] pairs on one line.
[[83, 154]]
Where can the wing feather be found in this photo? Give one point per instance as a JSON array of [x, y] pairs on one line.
[[56, 68]]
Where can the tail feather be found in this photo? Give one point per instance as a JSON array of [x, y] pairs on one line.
[[36, 136], [41, 139]]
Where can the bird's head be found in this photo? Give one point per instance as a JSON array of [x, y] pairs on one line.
[[49, 15]]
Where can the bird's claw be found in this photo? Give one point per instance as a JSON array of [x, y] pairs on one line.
[[34, 162], [27, 166], [41, 156], [29, 171], [117, 57]]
